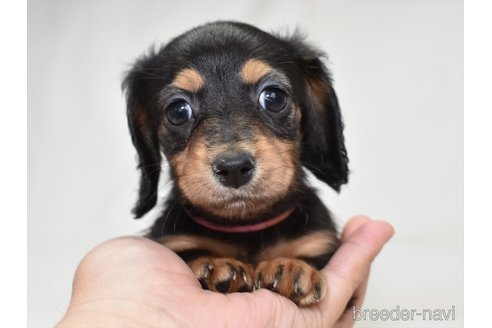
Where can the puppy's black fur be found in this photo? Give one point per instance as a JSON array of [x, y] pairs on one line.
[[226, 92]]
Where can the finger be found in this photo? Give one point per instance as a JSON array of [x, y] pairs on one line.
[[347, 318], [353, 224], [359, 294], [350, 265]]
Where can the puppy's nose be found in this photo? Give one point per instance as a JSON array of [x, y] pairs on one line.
[[234, 170]]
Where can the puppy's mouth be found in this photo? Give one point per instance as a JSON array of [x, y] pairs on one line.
[[252, 203]]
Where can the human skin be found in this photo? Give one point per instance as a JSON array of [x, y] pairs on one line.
[[135, 282]]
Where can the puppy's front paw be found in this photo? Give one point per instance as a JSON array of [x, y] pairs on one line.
[[291, 278], [224, 275]]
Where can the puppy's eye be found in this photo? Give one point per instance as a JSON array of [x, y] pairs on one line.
[[179, 112], [273, 99]]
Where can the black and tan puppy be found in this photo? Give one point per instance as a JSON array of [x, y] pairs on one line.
[[238, 112]]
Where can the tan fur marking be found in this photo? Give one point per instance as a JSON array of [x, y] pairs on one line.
[[140, 123], [312, 245], [181, 243], [298, 117], [253, 70], [276, 165], [140, 117], [319, 90], [188, 79], [192, 167]]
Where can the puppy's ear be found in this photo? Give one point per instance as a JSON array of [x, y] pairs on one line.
[[143, 129], [323, 148]]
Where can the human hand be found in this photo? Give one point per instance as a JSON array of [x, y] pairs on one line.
[[133, 281]]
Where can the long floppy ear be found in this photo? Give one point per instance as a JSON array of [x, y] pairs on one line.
[[323, 148], [143, 130]]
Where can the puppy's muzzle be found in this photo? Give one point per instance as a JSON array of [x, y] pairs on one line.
[[233, 169]]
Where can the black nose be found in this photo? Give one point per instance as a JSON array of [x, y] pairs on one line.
[[234, 170]]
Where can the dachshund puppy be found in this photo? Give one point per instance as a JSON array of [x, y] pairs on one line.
[[237, 113]]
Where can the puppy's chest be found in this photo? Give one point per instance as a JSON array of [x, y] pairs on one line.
[[244, 244], [258, 246], [255, 247], [248, 247]]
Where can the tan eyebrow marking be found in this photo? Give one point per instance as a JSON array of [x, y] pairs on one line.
[[253, 70], [188, 79]]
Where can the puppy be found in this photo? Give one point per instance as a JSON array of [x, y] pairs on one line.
[[237, 113]]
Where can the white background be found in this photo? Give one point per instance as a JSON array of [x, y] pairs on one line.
[[398, 69]]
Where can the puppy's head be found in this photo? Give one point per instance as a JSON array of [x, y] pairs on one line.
[[237, 112]]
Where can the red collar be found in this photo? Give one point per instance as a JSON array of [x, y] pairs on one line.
[[243, 228]]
